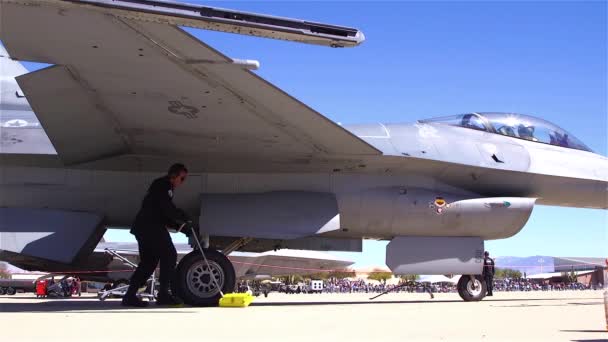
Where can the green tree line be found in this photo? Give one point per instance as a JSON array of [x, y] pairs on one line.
[[502, 273]]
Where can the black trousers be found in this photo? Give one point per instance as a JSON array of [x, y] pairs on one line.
[[428, 289], [154, 247], [489, 282]]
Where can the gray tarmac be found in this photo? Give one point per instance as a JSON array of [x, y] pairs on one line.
[[510, 316]]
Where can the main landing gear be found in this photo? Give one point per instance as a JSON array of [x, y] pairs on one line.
[[471, 288], [199, 283], [201, 280]]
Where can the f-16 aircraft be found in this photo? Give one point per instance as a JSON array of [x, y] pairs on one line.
[[130, 92]]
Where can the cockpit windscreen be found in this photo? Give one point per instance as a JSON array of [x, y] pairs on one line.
[[514, 125]]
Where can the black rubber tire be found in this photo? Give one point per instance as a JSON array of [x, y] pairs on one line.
[[465, 294], [11, 291], [2, 291], [180, 284]]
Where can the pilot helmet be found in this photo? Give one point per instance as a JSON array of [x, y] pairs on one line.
[[525, 130]]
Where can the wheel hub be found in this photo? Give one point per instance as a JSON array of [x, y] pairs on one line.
[[474, 287], [200, 279]]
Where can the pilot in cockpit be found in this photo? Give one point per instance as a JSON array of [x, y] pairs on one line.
[[506, 130], [558, 139], [526, 131], [473, 121]]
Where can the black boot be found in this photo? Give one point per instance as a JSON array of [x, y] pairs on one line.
[[132, 300], [166, 298]]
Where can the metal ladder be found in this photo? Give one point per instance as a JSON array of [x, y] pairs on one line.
[[122, 290]]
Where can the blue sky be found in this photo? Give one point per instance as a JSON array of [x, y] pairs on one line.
[[426, 59]]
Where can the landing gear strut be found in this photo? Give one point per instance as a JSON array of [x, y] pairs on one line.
[[471, 288]]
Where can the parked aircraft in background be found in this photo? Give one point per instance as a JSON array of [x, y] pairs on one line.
[[247, 265]]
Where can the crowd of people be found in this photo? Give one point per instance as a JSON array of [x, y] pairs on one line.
[[534, 285], [362, 286]]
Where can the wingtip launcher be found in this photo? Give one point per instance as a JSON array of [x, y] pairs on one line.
[[231, 21]]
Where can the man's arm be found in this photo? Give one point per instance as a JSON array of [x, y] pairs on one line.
[[161, 194]]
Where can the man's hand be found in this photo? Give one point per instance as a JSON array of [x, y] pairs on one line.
[[183, 215], [186, 228], [180, 226], [182, 221]]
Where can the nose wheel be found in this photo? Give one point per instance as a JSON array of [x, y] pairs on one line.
[[471, 288], [199, 283]]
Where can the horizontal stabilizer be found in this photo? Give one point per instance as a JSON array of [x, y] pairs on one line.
[[55, 235]]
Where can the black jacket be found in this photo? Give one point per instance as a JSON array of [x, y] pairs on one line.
[[157, 210], [488, 266]]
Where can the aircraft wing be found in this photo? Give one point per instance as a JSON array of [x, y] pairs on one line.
[[126, 80]]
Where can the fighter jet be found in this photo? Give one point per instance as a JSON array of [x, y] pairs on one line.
[[129, 92]]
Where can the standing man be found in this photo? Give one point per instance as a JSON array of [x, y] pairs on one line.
[[150, 229], [427, 288], [488, 272]]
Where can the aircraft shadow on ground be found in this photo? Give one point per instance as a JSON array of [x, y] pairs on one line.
[[82, 305]]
